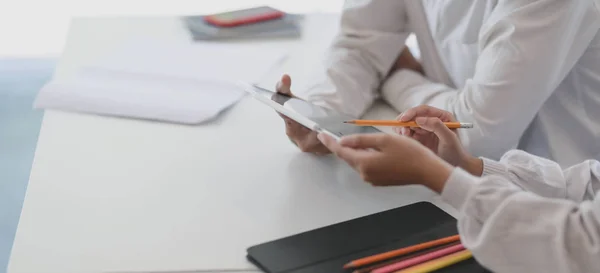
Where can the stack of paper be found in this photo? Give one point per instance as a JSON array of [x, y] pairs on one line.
[[182, 83]]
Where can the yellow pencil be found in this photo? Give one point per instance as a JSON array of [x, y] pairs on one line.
[[438, 263], [451, 125]]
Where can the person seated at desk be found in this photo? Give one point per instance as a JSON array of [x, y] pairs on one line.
[[521, 214], [526, 73]]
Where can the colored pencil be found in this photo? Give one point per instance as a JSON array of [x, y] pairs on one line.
[[419, 259], [399, 252], [439, 263], [451, 125], [403, 258]]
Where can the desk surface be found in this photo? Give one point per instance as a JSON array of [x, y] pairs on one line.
[[120, 195]]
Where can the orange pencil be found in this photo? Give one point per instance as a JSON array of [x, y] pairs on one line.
[[365, 122], [399, 252]]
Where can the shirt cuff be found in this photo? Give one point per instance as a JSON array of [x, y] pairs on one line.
[[457, 188], [399, 89], [403, 79], [491, 167]]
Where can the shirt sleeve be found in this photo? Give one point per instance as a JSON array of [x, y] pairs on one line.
[[511, 229], [545, 177], [526, 49], [371, 37]]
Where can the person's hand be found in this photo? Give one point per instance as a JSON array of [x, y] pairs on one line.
[[388, 160], [304, 138], [407, 61], [436, 136]]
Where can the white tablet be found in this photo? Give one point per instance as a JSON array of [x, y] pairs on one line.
[[314, 117]]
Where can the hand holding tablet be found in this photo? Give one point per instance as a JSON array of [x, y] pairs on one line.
[[312, 117]]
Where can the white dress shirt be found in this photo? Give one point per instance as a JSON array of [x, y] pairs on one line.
[[526, 73], [526, 214]]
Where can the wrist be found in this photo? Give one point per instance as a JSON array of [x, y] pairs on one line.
[[472, 165], [435, 173]]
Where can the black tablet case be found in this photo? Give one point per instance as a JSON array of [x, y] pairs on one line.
[[327, 249]]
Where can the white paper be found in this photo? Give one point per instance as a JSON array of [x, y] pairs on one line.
[[181, 83], [144, 96]]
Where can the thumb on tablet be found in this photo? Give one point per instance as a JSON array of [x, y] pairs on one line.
[[284, 85]]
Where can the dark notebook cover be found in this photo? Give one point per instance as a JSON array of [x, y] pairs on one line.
[[327, 249]]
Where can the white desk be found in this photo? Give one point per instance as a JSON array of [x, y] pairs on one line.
[[119, 195]]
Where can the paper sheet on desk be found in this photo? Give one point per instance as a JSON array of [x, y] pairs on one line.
[[187, 84], [144, 96]]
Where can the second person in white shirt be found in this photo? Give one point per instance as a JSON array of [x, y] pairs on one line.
[[522, 213]]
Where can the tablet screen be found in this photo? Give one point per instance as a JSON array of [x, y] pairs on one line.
[[326, 119]]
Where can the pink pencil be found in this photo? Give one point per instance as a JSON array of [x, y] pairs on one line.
[[419, 259]]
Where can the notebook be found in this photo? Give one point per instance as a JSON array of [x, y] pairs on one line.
[[286, 27], [327, 249]]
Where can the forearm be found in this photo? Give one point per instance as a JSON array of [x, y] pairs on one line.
[[434, 173], [371, 37], [511, 230], [347, 81], [407, 88], [494, 131]]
